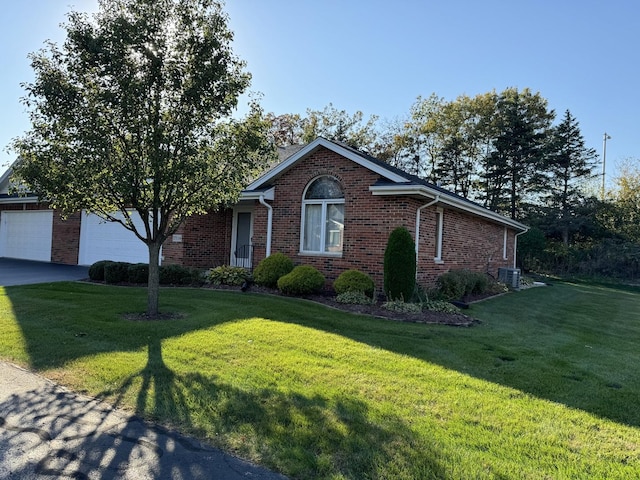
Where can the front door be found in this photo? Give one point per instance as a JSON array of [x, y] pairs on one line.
[[241, 248]]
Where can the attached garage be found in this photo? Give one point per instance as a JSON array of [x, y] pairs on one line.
[[26, 234], [101, 240]]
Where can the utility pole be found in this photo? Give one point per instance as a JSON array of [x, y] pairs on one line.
[[605, 137]]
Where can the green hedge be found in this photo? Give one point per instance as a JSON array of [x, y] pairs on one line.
[[270, 269], [354, 281], [96, 270], [302, 280]]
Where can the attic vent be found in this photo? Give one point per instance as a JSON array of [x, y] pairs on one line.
[[510, 277]]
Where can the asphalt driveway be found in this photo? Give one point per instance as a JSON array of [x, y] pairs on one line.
[[23, 272]]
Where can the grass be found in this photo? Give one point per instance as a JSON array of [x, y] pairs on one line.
[[545, 387]]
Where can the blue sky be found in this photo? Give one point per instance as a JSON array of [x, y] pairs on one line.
[[378, 56]]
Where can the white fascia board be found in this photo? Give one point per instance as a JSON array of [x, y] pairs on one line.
[[10, 200], [323, 142], [255, 195], [458, 203]]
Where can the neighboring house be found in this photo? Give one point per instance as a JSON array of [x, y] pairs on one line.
[[326, 205]]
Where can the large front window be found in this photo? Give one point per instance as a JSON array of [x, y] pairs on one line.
[[322, 217]]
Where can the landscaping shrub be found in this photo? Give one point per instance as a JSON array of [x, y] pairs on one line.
[[399, 265], [228, 275], [353, 298], [440, 306], [455, 284], [302, 280], [354, 281], [179, 275], [138, 273], [401, 306], [96, 270], [270, 269], [116, 272]]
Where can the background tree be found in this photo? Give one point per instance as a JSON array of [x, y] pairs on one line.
[[340, 126], [522, 121], [568, 164], [132, 113]]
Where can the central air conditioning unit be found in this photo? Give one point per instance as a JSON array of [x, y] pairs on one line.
[[510, 277]]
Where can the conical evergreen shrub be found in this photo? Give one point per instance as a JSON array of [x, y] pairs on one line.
[[400, 265]]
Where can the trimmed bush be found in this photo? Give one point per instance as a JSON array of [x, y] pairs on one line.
[[400, 265], [138, 273], [96, 270], [227, 275], [302, 280], [354, 281], [270, 269], [116, 272], [455, 284], [179, 275]]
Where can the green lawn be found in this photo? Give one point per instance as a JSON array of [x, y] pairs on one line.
[[547, 386]]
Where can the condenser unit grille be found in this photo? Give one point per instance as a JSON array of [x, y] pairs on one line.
[[510, 277]]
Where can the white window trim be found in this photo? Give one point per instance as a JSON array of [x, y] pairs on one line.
[[439, 234], [325, 204], [504, 244]]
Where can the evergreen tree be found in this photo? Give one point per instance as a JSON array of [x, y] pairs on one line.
[[514, 167], [568, 164]]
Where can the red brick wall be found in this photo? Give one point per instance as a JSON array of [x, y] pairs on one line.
[[469, 242], [206, 241], [65, 243]]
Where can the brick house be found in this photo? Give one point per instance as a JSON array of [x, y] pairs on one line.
[[333, 207], [327, 205]]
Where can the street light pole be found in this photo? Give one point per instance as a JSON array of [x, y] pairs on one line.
[[605, 137]]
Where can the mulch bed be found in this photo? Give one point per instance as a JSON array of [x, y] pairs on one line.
[[376, 310]]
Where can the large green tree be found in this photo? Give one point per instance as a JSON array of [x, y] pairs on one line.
[[569, 163], [132, 114], [514, 168]]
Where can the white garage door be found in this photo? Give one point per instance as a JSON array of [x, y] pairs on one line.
[[100, 240], [26, 234]]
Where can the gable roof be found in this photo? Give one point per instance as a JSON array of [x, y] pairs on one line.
[[393, 181]]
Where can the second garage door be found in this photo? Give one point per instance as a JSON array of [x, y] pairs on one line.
[[26, 234], [100, 240]]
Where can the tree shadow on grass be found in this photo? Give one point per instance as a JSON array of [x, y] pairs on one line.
[[50, 432], [303, 436]]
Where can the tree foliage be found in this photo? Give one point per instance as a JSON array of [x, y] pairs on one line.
[[132, 113]]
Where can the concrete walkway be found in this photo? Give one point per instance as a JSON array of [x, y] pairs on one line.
[[48, 432]]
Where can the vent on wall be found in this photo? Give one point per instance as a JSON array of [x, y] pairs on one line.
[[510, 277]]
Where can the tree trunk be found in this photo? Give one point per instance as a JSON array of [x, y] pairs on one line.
[[153, 289]]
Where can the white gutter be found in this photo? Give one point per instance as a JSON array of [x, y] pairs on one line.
[[433, 202], [459, 203], [269, 223], [515, 246]]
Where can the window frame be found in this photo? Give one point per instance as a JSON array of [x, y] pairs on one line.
[[324, 203], [439, 235]]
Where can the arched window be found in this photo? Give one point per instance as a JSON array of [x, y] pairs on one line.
[[322, 217]]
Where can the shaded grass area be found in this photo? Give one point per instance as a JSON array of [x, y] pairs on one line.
[[545, 387]]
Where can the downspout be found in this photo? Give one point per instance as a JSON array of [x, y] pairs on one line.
[[269, 223], [433, 202], [515, 245]]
